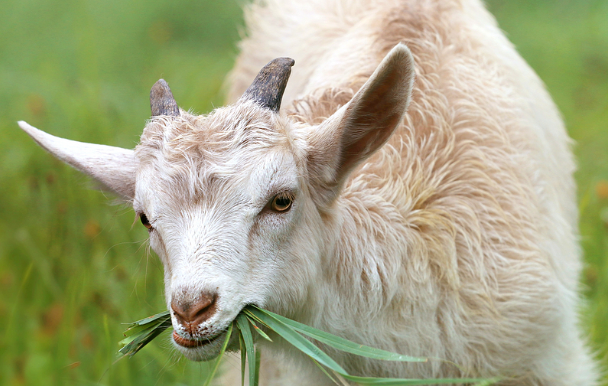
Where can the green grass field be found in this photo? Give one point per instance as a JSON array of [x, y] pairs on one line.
[[73, 267]]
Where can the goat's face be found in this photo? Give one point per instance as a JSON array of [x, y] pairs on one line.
[[224, 198], [240, 203]]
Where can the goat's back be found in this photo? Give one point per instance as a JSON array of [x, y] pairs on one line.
[[480, 173]]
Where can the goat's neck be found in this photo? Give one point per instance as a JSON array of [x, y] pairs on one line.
[[358, 280]]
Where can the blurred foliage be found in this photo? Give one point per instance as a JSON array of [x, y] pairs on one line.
[[72, 267]]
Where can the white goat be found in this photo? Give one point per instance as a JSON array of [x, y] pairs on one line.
[[449, 232]]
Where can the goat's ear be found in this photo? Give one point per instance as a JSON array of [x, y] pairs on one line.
[[113, 167], [363, 125]]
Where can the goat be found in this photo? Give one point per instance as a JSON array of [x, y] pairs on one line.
[[446, 231]]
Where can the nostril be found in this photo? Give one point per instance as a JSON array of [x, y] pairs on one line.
[[205, 308], [179, 312], [196, 312]]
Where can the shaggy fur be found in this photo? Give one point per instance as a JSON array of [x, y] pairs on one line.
[[455, 239], [458, 237]]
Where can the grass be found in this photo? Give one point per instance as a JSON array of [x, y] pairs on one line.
[[142, 332], [72, 268]]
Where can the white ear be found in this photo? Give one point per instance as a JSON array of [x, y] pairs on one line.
[[113, 167], [364, 124]]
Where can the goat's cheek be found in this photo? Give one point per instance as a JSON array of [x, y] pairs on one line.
[[157, 245]]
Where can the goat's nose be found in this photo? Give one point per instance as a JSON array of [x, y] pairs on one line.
[[192, 313]]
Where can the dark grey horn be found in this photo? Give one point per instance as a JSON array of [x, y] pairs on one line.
[[268, 86], [161, 100]]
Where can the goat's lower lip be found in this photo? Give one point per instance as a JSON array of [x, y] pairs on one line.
[[191, 343]]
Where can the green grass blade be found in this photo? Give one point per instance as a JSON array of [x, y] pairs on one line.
[[151, 322], [288, 329], [341, 343], [327, 374], [143, 331], [219, 357], [409, 382], [262, 333], [253, 318], [243, 325], [243, 357], [297, 340], [156, 318], [140, 335], [258, 360], [258, 330], [488, 382]]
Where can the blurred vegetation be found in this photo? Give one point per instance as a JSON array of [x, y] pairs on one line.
[[72, 267]]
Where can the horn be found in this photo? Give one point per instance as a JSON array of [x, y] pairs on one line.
[[268, 86], [161, 100]]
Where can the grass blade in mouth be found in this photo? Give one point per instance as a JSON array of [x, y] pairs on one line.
[[413, 382], [243, 326], [341, 343], [291, 330], [243, 357], [143, 331], [258, 360], [298, 341], [216, 365], [257, 329]]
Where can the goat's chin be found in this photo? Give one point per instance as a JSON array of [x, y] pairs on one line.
[[207, 350]]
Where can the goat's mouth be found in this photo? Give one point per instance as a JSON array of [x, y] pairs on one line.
[[194, 343], [203, 349]]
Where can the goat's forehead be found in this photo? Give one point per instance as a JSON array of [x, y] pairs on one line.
[[242, 147], [227, 131], [249, 180], [247, 169]]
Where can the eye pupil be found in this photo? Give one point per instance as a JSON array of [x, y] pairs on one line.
[[281, 203], [144, 220]]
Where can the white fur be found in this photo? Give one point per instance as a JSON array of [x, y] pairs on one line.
[[456, 239], [113, 167]]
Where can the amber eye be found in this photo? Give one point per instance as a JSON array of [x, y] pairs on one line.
[[144, 220], [281, 202]]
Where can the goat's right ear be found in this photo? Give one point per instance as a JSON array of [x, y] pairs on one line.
[[363, 125], [114, 167]]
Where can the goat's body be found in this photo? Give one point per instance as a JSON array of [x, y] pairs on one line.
[[450, 233], [457, 239]]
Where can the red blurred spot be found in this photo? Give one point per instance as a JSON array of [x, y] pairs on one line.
[[73, 365], [91, 229], [601, 189], [51, 319], [160, 32], [36, 105]]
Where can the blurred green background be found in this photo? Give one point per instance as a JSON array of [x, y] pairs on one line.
[[72, 266]]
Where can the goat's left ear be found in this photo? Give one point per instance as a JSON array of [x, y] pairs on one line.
[[363, 125], [113, 167]]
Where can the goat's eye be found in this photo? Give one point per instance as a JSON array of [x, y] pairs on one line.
[[281, 202], [144, 220]]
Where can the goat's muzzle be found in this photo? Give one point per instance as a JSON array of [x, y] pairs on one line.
[[191, 314]]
